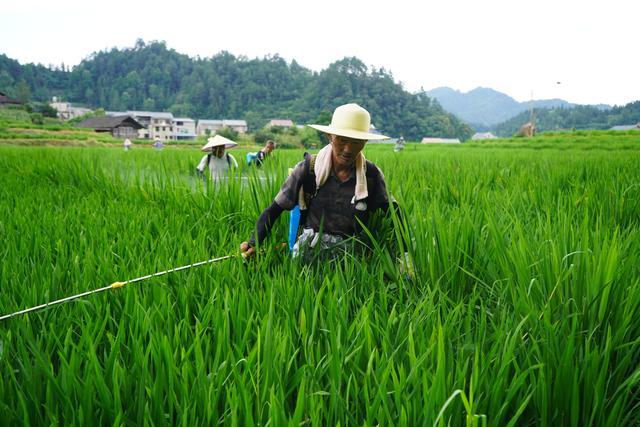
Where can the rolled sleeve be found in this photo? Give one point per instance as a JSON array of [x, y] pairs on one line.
[[287, 197], [234, 162], [202, 164]]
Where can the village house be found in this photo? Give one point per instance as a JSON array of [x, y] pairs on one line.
[[160, 124], [626, 127], [239, 126], [185, 128], [67, 111], [119, 127], [7, 100], [155, 125], [213, 126], [163, 126], [284, 123], [483, 135]]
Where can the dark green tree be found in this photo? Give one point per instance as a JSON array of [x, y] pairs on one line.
[[23, 92]]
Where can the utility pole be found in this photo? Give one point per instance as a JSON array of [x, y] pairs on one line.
[[532, 117]]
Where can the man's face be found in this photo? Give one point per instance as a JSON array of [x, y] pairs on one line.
[[345, 150], [218, 152]]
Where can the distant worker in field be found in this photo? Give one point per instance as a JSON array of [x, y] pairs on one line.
[[399, 145], [158, 145], [127, 144], [217, 160], [334, 189], [258, 158]]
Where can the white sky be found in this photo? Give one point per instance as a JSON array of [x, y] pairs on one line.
[[591, 47]]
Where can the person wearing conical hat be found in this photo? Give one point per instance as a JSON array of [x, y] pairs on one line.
[[217, 160], [336, 190]]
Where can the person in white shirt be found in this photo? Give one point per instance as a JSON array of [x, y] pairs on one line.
[[127, 144], [217, 160]]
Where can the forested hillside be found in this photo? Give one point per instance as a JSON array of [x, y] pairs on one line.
[[151, 76], [579, 117]]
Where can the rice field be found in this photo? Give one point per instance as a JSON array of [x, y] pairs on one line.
[[523, 308]]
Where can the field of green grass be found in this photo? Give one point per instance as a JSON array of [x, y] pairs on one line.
[[524, 308]]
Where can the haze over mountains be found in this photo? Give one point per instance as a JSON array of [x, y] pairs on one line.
[[484, 108]]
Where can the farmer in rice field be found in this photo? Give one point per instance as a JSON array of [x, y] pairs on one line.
[[259, 157], [217, 160], [334, 189], [399, 145]]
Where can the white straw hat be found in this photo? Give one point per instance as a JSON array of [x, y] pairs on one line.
[[351, 121], [218, 141]]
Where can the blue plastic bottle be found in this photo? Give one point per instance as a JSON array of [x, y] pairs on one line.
[[294, 221]]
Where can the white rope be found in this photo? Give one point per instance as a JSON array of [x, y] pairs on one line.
[[112, 286]]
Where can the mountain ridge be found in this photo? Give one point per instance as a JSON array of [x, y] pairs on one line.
[[484, 108]]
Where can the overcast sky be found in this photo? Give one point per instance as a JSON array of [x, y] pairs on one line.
[[516, 47]]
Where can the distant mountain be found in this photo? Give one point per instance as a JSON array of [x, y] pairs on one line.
[[484, 108]]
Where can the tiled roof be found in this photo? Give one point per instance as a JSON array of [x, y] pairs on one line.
[[234, 123], [281, 122], [4, 99], [108, 123], [153, 114]]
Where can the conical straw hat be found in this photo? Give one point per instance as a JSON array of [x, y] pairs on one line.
[[218, 141]]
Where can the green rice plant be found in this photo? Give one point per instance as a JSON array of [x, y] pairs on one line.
[[523, 307]]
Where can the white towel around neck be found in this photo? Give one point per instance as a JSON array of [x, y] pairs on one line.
[[322, 171]]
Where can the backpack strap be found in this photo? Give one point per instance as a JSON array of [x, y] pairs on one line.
[[309, 180]]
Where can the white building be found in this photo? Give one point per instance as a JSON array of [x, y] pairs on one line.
[[239, 126], [208, 125], [284, 123], [427, 140], [213, 126], [67, 111], [483, 135], [157, 125], [185, 128], [626, 127]]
